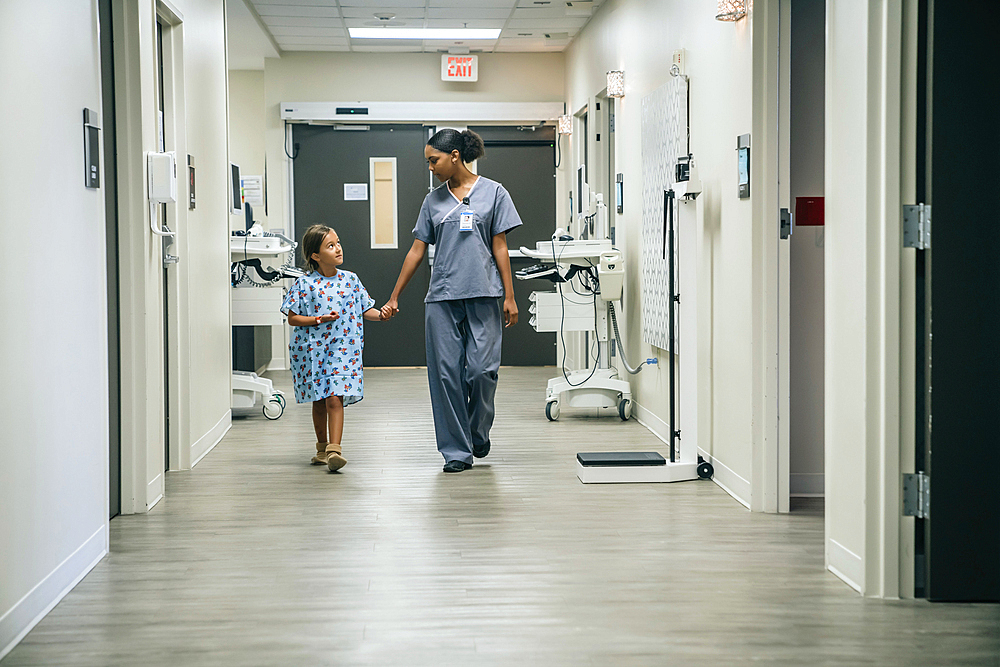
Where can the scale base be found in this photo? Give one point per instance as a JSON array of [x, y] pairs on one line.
[[628, 471]]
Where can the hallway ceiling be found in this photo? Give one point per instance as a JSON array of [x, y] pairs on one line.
[[526, 25]]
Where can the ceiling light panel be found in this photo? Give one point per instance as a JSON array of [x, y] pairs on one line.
[[301, 21], [315, 47], [298, 40], [289, 10], [424, 33], [372, 46], [279, 31]]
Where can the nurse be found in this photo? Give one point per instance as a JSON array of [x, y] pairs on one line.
[[471, 295]]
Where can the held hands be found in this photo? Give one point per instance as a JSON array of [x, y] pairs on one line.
[[387, 311]]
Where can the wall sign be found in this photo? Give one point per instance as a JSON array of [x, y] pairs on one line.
[[459, 68], [355, 192]]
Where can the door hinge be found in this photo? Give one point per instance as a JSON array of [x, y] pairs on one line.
[[917, 226], [917, 495]]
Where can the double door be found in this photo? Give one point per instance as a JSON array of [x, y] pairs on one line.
[[327, 158]]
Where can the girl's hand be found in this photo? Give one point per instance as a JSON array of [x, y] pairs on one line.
[[323, 319], [384, 313], [391, 307], [509, 312]]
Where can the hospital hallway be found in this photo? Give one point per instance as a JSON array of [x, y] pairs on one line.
[[256, 558]]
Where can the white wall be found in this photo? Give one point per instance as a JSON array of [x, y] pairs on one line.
[[54, 482], [639, 36], [53, 331], [327, 77], [806, 271], [246, 129]]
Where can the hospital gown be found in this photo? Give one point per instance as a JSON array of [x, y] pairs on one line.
[[326, 358]]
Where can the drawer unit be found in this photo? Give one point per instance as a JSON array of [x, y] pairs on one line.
[[257, 306], [575, 312]]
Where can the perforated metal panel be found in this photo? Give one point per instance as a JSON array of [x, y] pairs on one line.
[[664, 137]]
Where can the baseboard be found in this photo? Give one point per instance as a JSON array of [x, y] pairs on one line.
[[32, 608], [277, 364], [844, 563], [730, 482], [207, 442], [154, 491], [806, 484]]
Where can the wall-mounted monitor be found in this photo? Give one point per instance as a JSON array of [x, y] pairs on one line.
[[236, 198]]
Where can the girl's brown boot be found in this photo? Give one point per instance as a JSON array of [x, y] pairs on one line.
[[334, 457]]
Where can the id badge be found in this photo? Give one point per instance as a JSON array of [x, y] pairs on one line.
[[465, 222]]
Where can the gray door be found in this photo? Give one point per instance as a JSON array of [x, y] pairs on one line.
[[961, 298], [325, 160], [524, 161]]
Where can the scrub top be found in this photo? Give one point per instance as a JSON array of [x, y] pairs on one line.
[[326, 358], [464, 267]]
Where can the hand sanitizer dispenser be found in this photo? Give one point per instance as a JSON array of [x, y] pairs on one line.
[[162, 169]]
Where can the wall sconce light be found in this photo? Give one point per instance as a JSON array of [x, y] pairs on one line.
[[616, 83], [730, 10], [565, 125]]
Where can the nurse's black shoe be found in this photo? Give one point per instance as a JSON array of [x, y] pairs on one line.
[[480, 451], [456, 466]]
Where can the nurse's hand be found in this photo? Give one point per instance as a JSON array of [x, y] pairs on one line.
[[390, 308], [509, 312]]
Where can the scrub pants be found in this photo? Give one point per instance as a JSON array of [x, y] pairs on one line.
[[463, 363]]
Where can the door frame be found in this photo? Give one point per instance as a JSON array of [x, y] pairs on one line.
[[140, 254], [881, 565]]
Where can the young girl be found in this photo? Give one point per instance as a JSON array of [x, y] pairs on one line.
[[325, 309]]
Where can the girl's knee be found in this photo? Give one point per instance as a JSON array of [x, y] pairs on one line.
[[334, 402]]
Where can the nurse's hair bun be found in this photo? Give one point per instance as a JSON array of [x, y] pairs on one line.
[[473, 147], [468, 144]]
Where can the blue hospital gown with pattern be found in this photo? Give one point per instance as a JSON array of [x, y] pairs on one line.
[[326, 359]]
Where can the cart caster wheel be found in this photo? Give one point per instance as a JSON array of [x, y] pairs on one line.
[[552, 411], [625, 409], [705, 470], [273, 409], [280, 399]]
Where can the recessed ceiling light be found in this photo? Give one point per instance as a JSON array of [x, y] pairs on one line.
[[424, 33]]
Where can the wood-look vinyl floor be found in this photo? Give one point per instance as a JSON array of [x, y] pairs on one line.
[[256, 558]]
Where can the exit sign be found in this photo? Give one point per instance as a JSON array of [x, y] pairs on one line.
[[459, 68]]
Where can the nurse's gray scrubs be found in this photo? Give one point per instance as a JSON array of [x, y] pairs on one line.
[[463, 314]]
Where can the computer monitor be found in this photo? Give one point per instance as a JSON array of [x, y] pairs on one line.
[[236, 199]]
